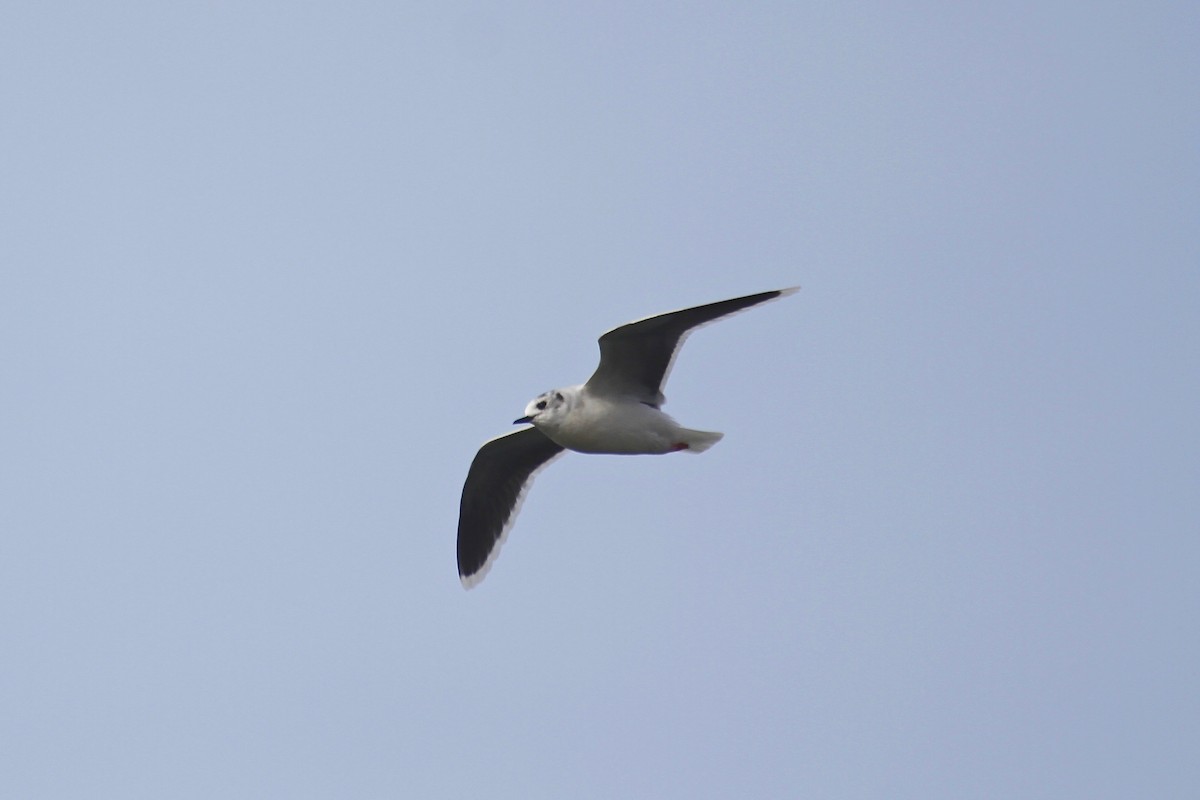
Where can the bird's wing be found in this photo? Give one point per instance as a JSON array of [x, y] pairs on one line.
[[500, 475], [636, 358]]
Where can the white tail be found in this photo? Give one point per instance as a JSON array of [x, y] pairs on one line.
[[699, 441]]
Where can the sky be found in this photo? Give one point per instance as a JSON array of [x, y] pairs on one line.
[[270, 273]]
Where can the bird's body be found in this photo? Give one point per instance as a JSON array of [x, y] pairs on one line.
[[587, 422], [617, 411]]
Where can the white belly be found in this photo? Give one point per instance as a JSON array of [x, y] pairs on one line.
[[598, 426]]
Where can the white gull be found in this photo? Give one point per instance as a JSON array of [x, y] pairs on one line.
[[617, 411]]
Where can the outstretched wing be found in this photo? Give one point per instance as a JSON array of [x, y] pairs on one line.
[[636, 358], [500, 475]]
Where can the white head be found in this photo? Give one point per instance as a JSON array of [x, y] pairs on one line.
[[547, 407]]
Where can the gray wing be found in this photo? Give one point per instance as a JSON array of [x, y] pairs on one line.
[[636, 358], [502, 471]]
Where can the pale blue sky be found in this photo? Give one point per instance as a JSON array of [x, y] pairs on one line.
[[271, 272]]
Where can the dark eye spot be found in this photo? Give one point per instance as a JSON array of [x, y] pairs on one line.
[[541, 406], [558, 396]]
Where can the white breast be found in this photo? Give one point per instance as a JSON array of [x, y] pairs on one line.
[[600, 425]]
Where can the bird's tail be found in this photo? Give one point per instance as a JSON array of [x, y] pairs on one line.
[[699, 441]]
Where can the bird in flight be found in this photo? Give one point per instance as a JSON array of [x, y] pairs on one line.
[[617, 411]]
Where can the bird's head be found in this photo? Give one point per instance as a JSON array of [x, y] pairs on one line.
[[544, 408]]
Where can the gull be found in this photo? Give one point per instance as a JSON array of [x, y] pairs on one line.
[[617, 412]]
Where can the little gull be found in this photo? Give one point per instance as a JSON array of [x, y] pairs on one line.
[[616, 411]]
